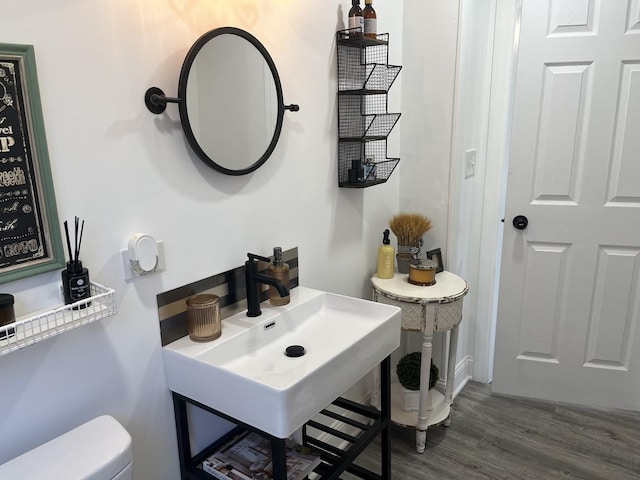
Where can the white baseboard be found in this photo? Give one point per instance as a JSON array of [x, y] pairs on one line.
[[464, 372]]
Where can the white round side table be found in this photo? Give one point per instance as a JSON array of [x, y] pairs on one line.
[[437, 308]]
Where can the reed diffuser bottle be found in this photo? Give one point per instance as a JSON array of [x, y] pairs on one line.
[[75, 283], [75, 278]]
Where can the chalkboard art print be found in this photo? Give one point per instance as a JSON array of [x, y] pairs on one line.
[[30, 241]]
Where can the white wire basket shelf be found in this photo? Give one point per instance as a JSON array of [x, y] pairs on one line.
[[40, 326]]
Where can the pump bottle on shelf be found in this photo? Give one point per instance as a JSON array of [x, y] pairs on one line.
[[385, 257], [280, 270]]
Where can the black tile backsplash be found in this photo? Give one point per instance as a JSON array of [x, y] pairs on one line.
[[229, 286]]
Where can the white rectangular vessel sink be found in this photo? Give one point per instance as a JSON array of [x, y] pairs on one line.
[[247, 375]]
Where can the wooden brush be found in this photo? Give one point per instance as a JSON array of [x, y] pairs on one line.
[[409, 227]]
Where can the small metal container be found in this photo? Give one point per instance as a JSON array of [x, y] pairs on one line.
[[203, 316], [423, 273], [7, 315]]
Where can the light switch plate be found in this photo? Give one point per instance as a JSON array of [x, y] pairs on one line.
[[470, 163]]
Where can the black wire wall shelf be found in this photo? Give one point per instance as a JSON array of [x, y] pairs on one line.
[[369, 79], [367, 127], [353, 38], [364, 123]]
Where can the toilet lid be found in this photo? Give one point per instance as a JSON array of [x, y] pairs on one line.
[[96, 450]]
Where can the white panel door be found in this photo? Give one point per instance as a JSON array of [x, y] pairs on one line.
[[569, 302]]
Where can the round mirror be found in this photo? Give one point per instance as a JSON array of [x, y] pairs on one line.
[[231, 105]]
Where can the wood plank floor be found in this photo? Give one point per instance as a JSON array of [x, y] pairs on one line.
[[496, 437]]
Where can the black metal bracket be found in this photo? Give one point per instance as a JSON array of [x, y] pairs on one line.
[[156, 101], [335, 460]]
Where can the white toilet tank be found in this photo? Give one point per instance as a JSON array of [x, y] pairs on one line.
[[97, 450]]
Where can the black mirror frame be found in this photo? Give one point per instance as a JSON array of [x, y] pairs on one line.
[[182, 94], [156, 101]]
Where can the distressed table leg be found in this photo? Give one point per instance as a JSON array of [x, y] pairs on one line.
[[421, 440], [424, 406], [451, 370]]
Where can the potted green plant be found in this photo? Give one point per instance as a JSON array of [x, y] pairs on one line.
[[408, 371]]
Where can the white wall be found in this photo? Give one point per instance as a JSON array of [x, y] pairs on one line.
[[427, 96], [125, 170], [428, 92], [447, 98], [428, 79]]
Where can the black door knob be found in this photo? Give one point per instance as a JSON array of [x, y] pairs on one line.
[[520, 222]]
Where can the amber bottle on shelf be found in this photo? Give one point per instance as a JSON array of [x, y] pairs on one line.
[[370, 20], [356, 20]]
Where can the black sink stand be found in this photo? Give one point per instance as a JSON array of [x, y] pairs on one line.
[[335, 460]]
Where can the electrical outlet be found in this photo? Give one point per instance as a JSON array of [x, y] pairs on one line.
[[470, 163]]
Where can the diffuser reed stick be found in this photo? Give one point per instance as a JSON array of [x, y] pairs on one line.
[[66, 231], [74, 254], [409, 227]]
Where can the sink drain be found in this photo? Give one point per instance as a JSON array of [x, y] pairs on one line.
[[294, 351]]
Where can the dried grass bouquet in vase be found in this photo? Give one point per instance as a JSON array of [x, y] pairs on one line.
[[409, 228]]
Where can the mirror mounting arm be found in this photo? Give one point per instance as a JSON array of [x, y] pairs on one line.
[[293, 107], [156, 101]]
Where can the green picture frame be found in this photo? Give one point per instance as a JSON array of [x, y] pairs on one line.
[[30, 238]]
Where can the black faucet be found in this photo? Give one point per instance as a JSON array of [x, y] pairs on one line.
[[253, 280]]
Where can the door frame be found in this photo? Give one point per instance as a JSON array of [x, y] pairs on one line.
[[502, 89]]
